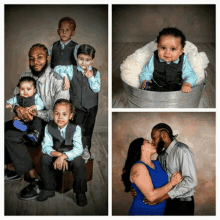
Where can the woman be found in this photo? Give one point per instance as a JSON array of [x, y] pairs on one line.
[[147, 177]]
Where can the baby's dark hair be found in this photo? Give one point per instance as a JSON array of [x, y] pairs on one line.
[[173, 32], [87, 50], [66, 102], [27, 79], [39, 45], [67, 19]]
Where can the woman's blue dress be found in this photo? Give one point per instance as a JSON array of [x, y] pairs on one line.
[[159, 178]]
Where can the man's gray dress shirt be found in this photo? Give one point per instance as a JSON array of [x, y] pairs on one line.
[[179, 157]]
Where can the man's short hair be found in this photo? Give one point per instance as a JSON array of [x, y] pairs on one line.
[[67, 19], [27, 79], [39, 45], [66, 102], [166, 128]]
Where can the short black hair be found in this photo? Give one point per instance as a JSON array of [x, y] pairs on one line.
[[67, 19], [27, 79], [41, 46], [173, 32], [66, 102], [87, 50], [166, 128]]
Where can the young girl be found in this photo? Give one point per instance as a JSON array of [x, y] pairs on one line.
[[169, 68], [85, 84]]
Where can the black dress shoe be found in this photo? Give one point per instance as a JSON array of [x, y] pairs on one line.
[[11, 176], [81, 199], [33, 136], [31, 191], [45, 194]]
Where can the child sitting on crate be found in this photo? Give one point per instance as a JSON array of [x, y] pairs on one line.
[[29, 99], [85, 85], [62, 149], [169, 69]]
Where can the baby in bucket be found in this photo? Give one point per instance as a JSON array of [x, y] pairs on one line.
[[168, 68]]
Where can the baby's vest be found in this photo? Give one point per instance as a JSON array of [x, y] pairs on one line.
[[165, 74], [25, 102], [59, 143], [63, 56], [81, 94]]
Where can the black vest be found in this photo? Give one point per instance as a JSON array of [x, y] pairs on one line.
[[165, 74], [81, 94], [63, 57], [59, 143], [25, 102]]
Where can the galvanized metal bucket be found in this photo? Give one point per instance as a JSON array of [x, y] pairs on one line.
[[139, 98]]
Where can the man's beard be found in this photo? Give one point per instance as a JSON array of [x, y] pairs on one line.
[[39, 73], [160, 146]]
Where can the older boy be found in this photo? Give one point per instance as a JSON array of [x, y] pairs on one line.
[[62, 147]]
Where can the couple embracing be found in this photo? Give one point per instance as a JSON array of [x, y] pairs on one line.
[[165, 186]]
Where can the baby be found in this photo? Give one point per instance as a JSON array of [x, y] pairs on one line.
[[29, 99], [63, 52], [62, 147], [169, 69]]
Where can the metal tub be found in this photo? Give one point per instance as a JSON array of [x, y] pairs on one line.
[[139, 98]]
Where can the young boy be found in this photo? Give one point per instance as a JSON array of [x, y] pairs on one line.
[[63, 52], [62, 147], [85, 84], [28, 98], [169, 68]]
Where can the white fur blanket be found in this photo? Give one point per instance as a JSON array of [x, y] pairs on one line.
[[132, 66]]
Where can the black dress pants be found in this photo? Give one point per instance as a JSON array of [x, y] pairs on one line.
[[167, 88], [177, 207], [15, 149], [86, 119], [77, 166]]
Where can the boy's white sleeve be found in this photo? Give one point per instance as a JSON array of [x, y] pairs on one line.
[[147, 71], [77, 143], [47, 143], [95, 82]]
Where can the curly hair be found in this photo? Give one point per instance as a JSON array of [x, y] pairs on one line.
[[173, 32], [134, 155]]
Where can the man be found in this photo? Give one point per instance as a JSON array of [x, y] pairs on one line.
[[49, 86], [174, 157]]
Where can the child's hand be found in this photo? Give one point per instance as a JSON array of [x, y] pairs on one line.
[[8, 105], [60, 163], [66, 84], [32, 110], [144, 83], [88, 73], [186, 88]]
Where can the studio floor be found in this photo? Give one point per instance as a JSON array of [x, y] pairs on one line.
[[65, 203], [120, 51]]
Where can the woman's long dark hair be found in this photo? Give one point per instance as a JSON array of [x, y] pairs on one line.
[[134, 155]]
